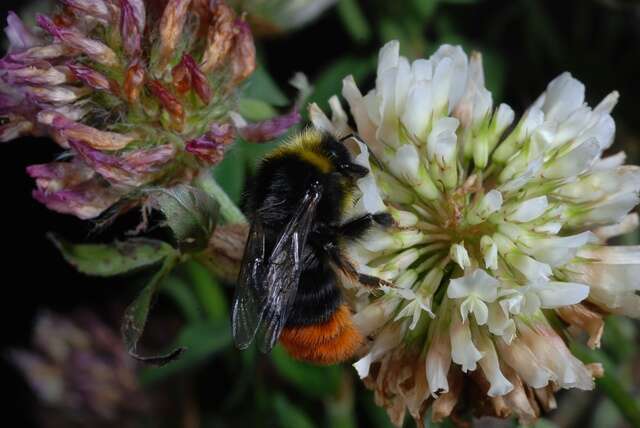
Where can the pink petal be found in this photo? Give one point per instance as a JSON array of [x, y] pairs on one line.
[[132, 168], [269, 129]]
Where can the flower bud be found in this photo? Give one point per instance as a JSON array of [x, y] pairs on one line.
[[171, 27], [96, 50], [220, 37]]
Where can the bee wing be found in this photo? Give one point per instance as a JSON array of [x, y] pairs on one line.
[[250, 291], [284, 269]]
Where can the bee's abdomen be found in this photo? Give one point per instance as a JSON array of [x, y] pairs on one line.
[[318, 297], [329, 342]]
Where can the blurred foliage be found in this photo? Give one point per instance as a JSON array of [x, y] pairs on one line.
[[524, 43]]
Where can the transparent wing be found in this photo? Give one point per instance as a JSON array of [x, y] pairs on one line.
[[284, 269], [250, 296]]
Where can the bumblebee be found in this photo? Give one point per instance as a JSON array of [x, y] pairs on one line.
[[288, 286]]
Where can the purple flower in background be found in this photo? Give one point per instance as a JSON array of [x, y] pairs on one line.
[[79, 369], [133, 101]]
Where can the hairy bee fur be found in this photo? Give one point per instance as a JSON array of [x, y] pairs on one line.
[[288, 289]]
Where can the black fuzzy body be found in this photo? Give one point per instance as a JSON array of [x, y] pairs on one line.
[[279, 187]]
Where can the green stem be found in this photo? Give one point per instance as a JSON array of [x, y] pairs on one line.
[[228, 210], [610, 384]]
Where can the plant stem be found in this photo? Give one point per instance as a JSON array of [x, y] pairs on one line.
[[610, 383], [228, 210]]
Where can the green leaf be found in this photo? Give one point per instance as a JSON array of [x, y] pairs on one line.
[[610, 383], [261, 86], [312, 380], [290, 416], [113, 259], [376, 416], [425, 8], [255, 110], [209, 292], [329, 81], [201, 341], [354, 20], [183, 296], [620, 339], [136, 314], [190, 213], [340, 408]]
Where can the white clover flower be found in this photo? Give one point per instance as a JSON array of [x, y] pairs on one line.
[[500, 228]]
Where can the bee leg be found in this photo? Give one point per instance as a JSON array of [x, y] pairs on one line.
[[356, 227], [373, 281], [342, 263]]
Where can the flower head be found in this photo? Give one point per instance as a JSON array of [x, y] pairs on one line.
[[500, 230], [138, 92], [81, 371]]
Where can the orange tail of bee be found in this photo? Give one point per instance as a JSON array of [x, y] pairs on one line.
[[331, 342]]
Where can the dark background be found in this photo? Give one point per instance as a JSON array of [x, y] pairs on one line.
[[533, 41]]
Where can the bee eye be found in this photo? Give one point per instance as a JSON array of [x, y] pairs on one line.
[[353, 170]]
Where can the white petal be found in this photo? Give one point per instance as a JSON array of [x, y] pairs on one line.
[[417, 114], [602, 184], [518, 355], [503, 118], [354, 98], [490, 366], [575, 162], [441, 85], [389, 338], [490, 203], [463, 350], [477, 282], [459, 255], [403, 80], [406, 163], [532, 269], [373, 316], [438, 362], [611, 210], [529, 210], [602, 130], [573, 125], [552, 353], [563, 96], [386, 92], [489, 251], [480, 312], [441, 144], [533, 168], [481, 106], [475, 82], [612, 254], [558, 294], [628, 224], [610, 162], [388, 56], [339, 117], [499, 322], [459, 71], [371, 200], [422, 70], [608, 103], [320, 121]]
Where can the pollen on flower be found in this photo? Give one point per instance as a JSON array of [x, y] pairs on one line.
[[500, 230]]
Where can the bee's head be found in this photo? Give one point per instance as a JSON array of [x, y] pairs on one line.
[[343, 162], [352, 170]]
